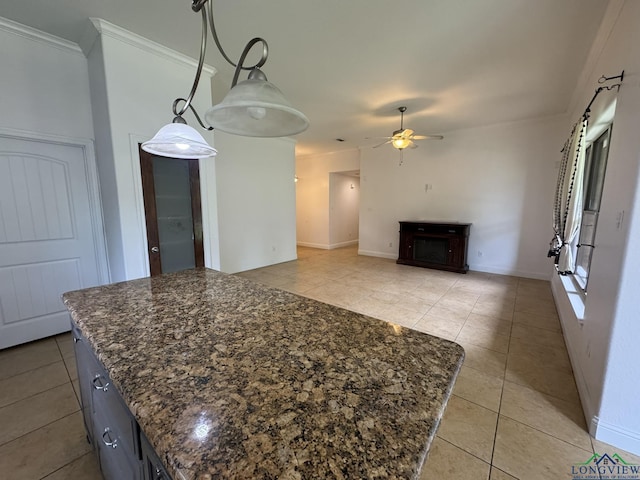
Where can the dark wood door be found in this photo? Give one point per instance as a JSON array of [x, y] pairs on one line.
[[171, 192]]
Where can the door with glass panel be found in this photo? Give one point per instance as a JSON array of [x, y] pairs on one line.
[[171, 191]]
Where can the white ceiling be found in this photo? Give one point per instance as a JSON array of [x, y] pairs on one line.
[[348, 64]]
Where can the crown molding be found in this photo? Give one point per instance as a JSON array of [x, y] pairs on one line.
[[99, 27], [39, 36], [588, 74]]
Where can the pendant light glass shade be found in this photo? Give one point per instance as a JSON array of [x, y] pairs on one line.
[[179, 140], [256, 108]]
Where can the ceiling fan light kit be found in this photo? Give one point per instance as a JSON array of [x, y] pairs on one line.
[[405, 137], [252, 108]]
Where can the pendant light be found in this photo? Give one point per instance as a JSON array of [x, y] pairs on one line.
[[253, 108]]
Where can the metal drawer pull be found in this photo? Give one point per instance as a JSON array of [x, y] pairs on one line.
[[108, 441], [98, 383]]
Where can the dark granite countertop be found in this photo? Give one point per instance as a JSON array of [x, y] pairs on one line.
[[230, 379]]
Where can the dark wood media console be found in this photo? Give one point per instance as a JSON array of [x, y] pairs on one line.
[[434, 245]]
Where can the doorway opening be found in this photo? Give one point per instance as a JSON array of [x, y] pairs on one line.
[[173, 213]]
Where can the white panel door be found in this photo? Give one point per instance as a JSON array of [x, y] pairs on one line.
[[47, 242]]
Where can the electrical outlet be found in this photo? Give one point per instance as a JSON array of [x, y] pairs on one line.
[[390, 244], [480, 253]]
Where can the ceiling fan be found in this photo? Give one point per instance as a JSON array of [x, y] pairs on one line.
[[405, 137]]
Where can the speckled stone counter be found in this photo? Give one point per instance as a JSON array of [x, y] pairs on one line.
[[230, 379]]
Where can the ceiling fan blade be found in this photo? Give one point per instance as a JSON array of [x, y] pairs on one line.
[[413, 145], [380, 144], [428, 137], [371, 138]]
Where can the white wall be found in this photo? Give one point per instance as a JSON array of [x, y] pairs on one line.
[[500, 178], [256, 201], [604, 347], [133, 85], [313, 194], [44, 84], [344, 209]]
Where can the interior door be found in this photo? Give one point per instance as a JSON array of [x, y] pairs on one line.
[[47, 242], [171, 192]]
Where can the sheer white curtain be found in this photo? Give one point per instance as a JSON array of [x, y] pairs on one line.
[[572, 198], [560, 199]]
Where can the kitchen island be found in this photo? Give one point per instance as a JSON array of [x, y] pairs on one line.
[[231, 379]]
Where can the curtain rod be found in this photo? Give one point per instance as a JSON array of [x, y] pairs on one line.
[[603, 79], [587, 111]]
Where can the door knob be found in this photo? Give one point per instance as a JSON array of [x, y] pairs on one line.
[[155, 249]]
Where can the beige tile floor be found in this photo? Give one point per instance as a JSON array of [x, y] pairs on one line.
[[514, 413]]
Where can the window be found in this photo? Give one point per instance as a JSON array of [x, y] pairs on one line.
[[595, 167]]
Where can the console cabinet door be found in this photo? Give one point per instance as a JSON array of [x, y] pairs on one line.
[[434, 245]]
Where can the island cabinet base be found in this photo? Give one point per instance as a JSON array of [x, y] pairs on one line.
[[122, 450], [438, 245]]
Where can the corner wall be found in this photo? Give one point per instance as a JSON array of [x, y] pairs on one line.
[[500, 178], [133, 84], [256, 202], [313, 194], [344, 209], [604, 346]]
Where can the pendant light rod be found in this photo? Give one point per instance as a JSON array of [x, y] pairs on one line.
[[253, 108], [201, 5], [196, 80], [178, 117], [214, 34], [207, 14], [256, 67]]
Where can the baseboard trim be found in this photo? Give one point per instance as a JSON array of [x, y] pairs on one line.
[[325, 246], [615, 435], [509, 272], [370, 253], [343, 244]]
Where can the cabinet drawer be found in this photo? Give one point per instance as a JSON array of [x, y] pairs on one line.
[[87, 367], [111, 412], [116, 462]]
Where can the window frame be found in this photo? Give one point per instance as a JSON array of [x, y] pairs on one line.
[[595, 170]]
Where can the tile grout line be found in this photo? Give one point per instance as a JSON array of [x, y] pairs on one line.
[[465, 451], [67, 464], [40, 428], [37, 393], [32, 369], [504, 378], [547, 433]]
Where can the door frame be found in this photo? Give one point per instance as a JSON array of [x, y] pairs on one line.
[[149, 206], [93, 189]]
